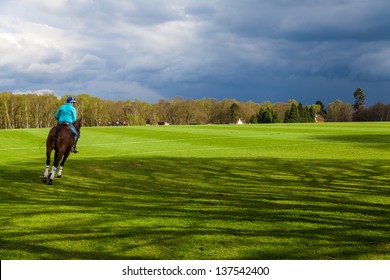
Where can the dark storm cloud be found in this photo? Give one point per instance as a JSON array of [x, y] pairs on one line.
[[248, 50]]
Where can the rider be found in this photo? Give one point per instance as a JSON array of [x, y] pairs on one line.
[[66, 114]]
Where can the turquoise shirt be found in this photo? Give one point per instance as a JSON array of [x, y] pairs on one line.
[[66, 113]]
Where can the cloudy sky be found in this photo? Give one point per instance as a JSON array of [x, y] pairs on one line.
[[148, 50]]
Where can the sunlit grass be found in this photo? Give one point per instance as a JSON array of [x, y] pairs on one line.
[[297, 191]]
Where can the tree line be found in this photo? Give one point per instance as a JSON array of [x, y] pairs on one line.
[[37, 111]]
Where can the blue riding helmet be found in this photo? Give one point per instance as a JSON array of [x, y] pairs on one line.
[[70, 100]]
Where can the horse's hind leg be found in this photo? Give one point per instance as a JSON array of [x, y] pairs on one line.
[[46, 173], [57, 158], [59, 174]]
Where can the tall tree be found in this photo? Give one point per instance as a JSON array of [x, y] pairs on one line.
[[339, 112], [322, 110], [292, 115], [5, 100], [267, 115], [234, 112], [360, 98]]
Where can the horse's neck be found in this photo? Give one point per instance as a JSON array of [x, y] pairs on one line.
[[77, 126]]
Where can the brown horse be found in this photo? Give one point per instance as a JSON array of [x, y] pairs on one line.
[[60, 139]]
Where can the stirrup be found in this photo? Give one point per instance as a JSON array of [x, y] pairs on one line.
[[74, 149]]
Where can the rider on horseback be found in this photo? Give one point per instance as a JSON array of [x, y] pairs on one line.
[[66, 114]]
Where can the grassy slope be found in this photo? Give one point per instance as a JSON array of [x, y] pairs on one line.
[[298, 191]]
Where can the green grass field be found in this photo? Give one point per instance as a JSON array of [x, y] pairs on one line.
[[283, 191]]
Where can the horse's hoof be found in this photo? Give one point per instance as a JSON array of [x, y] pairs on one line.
[[49, 180], [59, 176], [44, 180]]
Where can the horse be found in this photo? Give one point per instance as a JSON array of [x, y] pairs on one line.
[[60, 139]]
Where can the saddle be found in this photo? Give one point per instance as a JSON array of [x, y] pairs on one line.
[[59, 126]]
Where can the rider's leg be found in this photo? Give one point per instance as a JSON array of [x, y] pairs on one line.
[[74, 149], [75, 138]]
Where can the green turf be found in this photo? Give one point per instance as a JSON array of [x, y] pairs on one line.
[[283, 191]]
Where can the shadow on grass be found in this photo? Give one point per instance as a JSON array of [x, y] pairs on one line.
[[381, 141], [197, 208]]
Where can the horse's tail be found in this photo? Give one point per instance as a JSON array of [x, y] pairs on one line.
[[58, 129]]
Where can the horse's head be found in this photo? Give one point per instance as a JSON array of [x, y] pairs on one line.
[[77, 124]]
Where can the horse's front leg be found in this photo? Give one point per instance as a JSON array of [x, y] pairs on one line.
[[59, 174]]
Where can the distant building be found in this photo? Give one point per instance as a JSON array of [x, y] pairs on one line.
[[320, 118]]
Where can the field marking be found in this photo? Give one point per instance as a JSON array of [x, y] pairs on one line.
[[133, 142], [110, 144], [155, 141], [10, 149], [43, 146], [168, 140], [155, 152]]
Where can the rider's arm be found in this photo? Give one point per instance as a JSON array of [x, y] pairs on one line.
[[57, 114], [74, 115]]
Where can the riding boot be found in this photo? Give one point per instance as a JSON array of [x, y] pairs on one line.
[[74, 149]]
